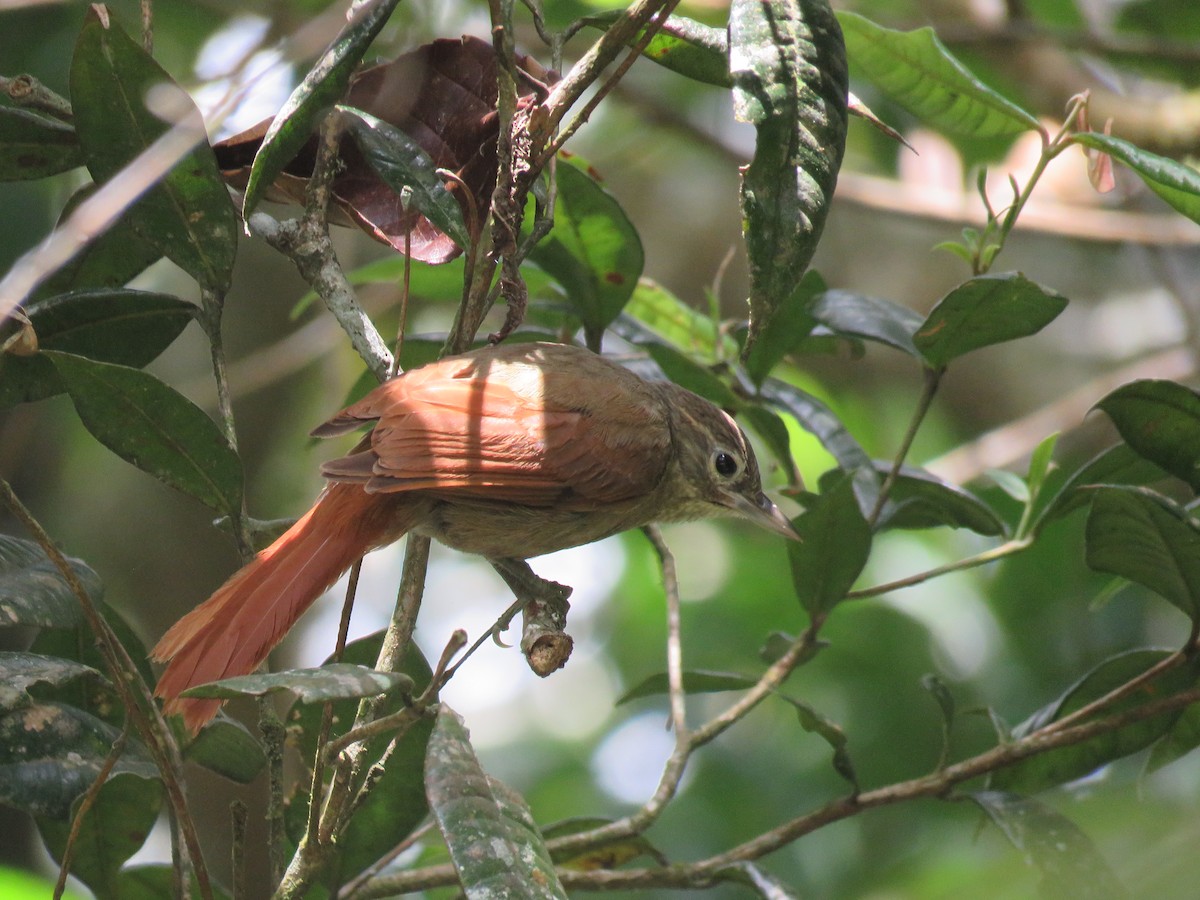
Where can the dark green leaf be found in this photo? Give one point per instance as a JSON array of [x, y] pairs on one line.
[[1141, 535], [819, 420], [401, 162], [111, 260], [988, 309], [1182, 738], [493, 842], [34, 592], [321, 88], [336, 681], [79, 644], [677, 323], [788, 66], [160, 431], [790, 323], [1069, 863], [1161, 421], [397, 804], [114, 828], [188, 216], [868, 318], [1117, 465], [683, 45], [830, 732], [916, 70], [687, 373], [769, 425], [21, 671], [33, 146], [50, 754], [120, 326], [1178, 184], [1065, 764], [694, 682], [594, 251], [229, 749], [834, 546], [919, 499]]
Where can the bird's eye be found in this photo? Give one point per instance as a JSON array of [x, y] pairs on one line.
[[725, 464]]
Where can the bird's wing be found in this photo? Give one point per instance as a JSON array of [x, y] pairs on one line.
[[509, 431]]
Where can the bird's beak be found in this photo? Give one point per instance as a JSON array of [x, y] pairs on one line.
[[765, 514]]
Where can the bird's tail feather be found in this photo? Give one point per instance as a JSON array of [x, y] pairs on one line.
[[232, 632]]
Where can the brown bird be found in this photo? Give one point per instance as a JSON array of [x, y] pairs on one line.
[[508, 452]]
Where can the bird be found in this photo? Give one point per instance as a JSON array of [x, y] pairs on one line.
[[508, 452]]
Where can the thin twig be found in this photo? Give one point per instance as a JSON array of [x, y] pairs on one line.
[[929, 388], [85, 805], [1008, 548]]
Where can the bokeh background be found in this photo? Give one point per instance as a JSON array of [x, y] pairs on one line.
[[1010, 637]]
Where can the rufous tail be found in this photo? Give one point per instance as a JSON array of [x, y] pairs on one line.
[[232, 632]]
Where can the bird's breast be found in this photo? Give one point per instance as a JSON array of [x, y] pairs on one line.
[[508, 530]]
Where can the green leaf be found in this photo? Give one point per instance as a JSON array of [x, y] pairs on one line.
[[1039, 464], [834, 546], [1182, 738], [114, 828], [868, 318], [336, 681], [1069, 863], [32, 590], [188, 216], [686, 372], [831, 733], [321, 88], [401, 163], [820, 421], [695, 681], [683, 45], [916, 71], [397, 803], [1177, 183], [153, 882], [769, 425], [677, 323], [226, 747], [79, 645], [33, 146], [51, 753], [788, 66], [919, 499], [149, 424], [789, 324], [988, 309], [110, 260], [120, 326], [1160, 420], [1116, 465], [21, 671], [1141, 535], [492, 839], [593, 251], [1065, 764]]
